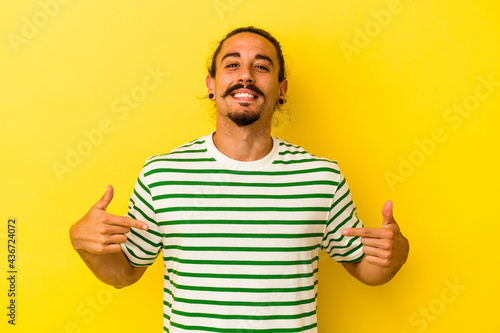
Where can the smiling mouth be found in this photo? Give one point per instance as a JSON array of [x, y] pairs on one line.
[[244, 95], [242, 92], [244, 98]]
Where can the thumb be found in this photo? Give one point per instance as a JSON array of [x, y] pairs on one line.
[[388, 218], [106, 198]]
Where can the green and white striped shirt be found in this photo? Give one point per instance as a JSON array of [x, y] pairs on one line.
[[241, 240]]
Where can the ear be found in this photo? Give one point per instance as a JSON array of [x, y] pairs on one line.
[[210, 83], [283, 88]]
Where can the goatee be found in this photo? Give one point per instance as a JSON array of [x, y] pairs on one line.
[[243, 118]]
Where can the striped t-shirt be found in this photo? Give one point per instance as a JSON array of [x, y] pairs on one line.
[[241, 240]]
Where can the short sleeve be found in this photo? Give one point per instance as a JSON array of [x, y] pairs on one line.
[[142, 246], [342, 215]]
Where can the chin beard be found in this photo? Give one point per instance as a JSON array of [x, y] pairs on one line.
[[242, 119]]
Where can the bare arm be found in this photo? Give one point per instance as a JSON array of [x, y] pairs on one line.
[[385, 248], [97, 237], [113, 268], [370, 274]]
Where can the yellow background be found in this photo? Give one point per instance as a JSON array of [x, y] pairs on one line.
[[367, 109]]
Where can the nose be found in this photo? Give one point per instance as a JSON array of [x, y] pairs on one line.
[[246, 75]]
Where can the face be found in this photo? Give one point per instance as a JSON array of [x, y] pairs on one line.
[[246, 84]]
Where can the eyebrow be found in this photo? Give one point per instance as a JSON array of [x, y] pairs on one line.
[[257, 56]]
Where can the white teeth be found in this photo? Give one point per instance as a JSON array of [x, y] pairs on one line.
[[244, 95]]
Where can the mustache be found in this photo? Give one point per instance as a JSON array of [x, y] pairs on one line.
[[242, 86]]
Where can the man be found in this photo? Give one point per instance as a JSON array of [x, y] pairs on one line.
[[240, 217]]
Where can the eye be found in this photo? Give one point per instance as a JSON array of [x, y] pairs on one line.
[[234, 65], [262, 67]]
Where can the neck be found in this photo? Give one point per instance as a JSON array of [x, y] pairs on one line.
[[248, 143]]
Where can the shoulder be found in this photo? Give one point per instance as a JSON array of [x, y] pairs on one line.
[[194, 150], [291, 154]]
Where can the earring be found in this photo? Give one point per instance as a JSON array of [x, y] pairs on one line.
[[281, 101], [211, 96]]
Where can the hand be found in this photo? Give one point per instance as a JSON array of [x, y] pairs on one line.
[[99, 232], [385, 246]]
